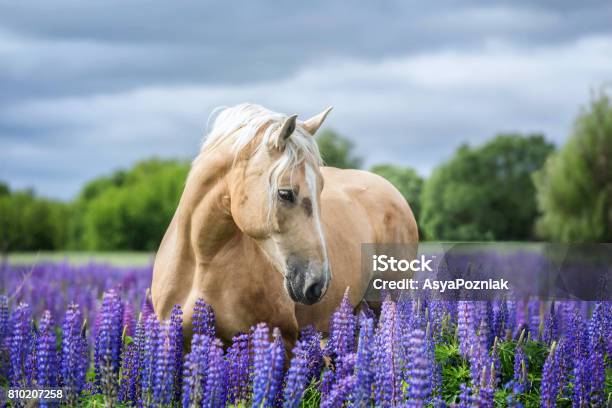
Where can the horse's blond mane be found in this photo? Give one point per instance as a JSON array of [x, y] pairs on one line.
[[241, 124]]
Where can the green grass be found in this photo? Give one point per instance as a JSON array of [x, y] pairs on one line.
[[119, 258]]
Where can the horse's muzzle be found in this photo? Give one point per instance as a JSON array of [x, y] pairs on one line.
[[306, 282]]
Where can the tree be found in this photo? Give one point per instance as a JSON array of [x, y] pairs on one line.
[[485, 193], [407, 181], [574, 188], [130, 209], [337, 151], [31, 223]]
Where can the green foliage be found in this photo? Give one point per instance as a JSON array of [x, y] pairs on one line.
[[28, 222], [574, 188], [129, 210], [337, 151], [485, 193], [407, 181]]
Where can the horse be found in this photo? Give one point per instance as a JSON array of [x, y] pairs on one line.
[[263, 232]]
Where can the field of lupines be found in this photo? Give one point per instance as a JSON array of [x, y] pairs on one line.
[[91, 331]]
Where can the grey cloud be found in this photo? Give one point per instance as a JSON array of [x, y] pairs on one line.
[[88, 87]]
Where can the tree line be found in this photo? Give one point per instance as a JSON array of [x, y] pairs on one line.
[[515, 187]]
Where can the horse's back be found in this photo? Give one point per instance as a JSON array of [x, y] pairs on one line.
[[390, 218]]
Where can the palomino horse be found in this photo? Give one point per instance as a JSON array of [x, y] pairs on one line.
[[263, 233]]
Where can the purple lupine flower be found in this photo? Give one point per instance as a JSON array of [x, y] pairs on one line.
[[597, 373], [268, 365], [312, 341], [297, 376], [340, 393], [327, 381], [75, 355], [488, 382], [137, 363], [163, 384], [500, 318], [551, 374], [466, 400], [46, 353], [176, 338], [465, 325], [129, 319], [346, 365], [203, 318], [535, 320], [196, 371], [387, 375], [108, 344], [215, 394], [21, 345], [420, 372], [146, 307], [4, 332], [362, 393], [581, 383], [149, 358], [129, 374], [519, 379], [4, 319], [551, 326], [239, 357], [342, 329]]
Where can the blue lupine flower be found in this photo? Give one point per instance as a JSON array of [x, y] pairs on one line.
[[215, 393], [339, 393], [75, 355], [420, 373], [297, 375], [551, 374], [4, 319], [46, 357], [312, 342], [342, 329], [500, 318], [163, 384], [239, 357], [196, 371], [387, 375], [108, 344], [551, 326], [4, 334], [597, 370], [128, 319], [21, 345], [149, 358], [203, 319], [362, 394], [581, 383], [127, 386], [268, 366], [519, 379], [465, 326], [176, 338], [534, 319]]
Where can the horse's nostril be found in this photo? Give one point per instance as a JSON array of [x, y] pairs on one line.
[[313, 292]]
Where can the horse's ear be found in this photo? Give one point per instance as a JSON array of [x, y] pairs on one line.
[[313, 124], [285, 131]]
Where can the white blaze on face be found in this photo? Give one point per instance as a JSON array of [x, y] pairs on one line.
[[311, 182]]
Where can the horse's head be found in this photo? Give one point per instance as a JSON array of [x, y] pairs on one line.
[[275, 195]]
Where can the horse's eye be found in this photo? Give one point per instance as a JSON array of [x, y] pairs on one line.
[[286, 194]]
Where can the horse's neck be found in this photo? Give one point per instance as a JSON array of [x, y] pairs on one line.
[[204, 222]]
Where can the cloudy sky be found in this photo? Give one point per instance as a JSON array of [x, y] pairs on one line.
[[88, 87]]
